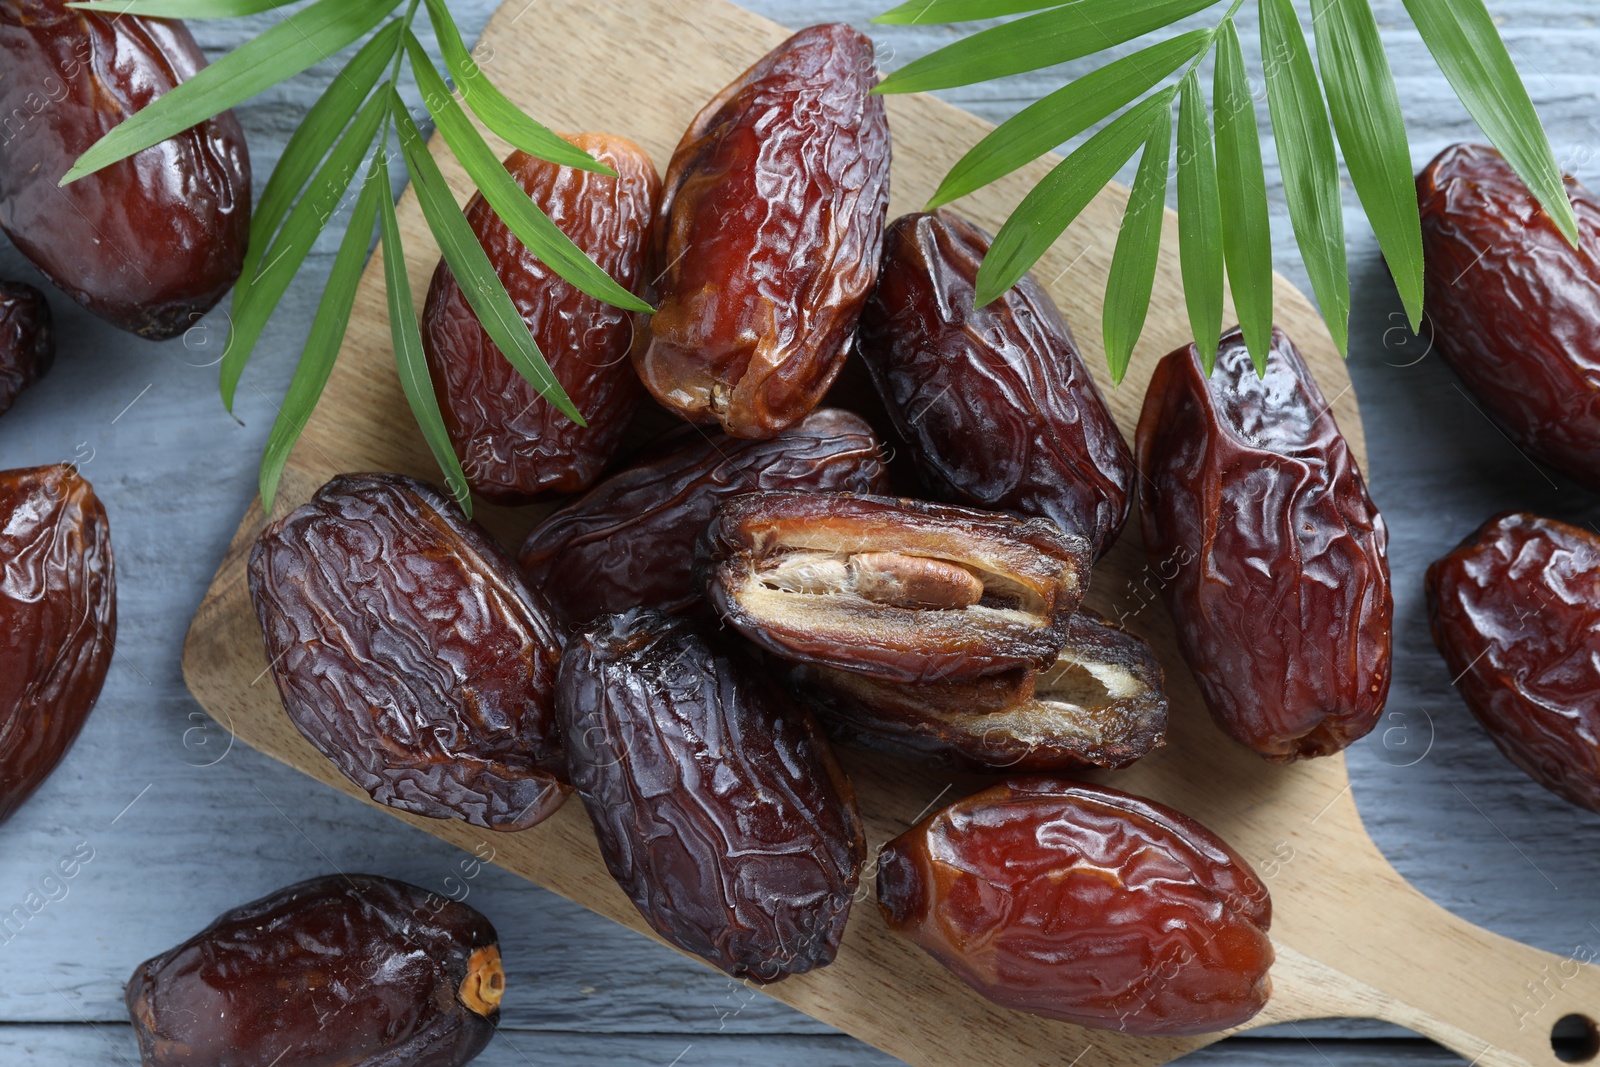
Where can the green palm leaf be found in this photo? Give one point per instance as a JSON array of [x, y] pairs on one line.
[[1242, 183], [1133, 265], [1199, 221]]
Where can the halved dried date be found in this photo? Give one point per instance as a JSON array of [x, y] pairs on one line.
[[513, 444], [340, 971], [1280, 588], [408, 650], [27, 340], [1515, 610], [899, 589], [995, 403], [716, 799], [1086, 904]]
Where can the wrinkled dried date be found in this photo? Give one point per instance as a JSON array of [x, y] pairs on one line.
[[58, 618], [629, 542], [148, 244], [1280, 588], [769, 235], [1515, 310], [27, 340], [996, 405], [408, 650], [341, 971], [717, 802], [514, 445], [1083, 903], [1515, 610]]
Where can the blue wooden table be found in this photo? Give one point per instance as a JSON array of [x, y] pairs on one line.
[[178, 824]]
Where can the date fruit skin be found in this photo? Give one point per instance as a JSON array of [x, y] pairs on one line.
[[1515, 611], [513, 444], [27, 340], [340, 971], [769, 236], [629, 542], [408, 650], [149, 244], [1085, 904], [1280, 591], [1515, 309], [902, 590], [716, 799], [58, 620], [996, 406]]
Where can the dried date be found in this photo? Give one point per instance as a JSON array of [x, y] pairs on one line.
[[340, 971], [409, 651], [27, 340], [1086, 904], [1280, 589], [716, 800], [768, 237]]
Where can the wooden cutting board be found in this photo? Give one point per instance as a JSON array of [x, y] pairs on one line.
[[1353, 938]]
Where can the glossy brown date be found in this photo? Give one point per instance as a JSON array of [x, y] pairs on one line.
[[629, 542], [996, 405], [1515, 610], [716, 800], [340, 971], [27, 340], [58, 618], [899, 589], [513, 444], [1252, 501], [769, 235], [407, 649], [1086, 904], [1515, 310], [148, 244]]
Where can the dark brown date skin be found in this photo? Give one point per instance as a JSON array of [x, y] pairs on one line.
[[1101, 704], [768, 238], [899, 589], [58, 618], [996, 406], [149, 244], [407, 649], [629, 542], [716, 799], [1280, 588], [513, 444], [340, 971], [27, 340], [1086, 904], [1515, 310], [1516, 613]]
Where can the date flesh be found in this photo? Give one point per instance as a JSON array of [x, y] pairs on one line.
[[996, 406], [1082, 903], [340, 971], [769, 236], [629, 542], [1280, 595], [716, 800], [409, 651], [27, 340], [58, 620], [1515, 309], [1515, 611], [513, 444], [149, 244], [899, 589]]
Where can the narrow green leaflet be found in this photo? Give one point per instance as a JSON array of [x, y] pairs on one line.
[[1242, 183], [1372, 133], [1053, 36], [928, 12], [1065, 113], [1133, 266], [1059, 198], [1199, 221], [182, 9], [491, 105], [1310, 167], [1464, 42], [302, 39]]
